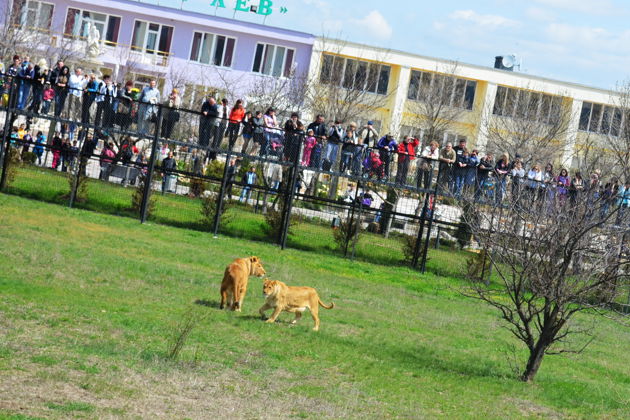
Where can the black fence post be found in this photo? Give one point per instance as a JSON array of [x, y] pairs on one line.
[[437, 238], [5, 144], [431, 211], [357, 228], [418, 244], [78, 169], [219, 208], [351, 221], [286, 218], [149, 177]]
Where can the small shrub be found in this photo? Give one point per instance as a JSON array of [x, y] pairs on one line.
[[409, 246], [136, 198], [12, 165], [82, 186], [215, 169], [29, 157], [197, 186], [478, 267], [273, 222], [209, 210], [346, 232], [182, 332]]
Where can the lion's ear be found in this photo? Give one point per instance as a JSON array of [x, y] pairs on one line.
[[254, 259]]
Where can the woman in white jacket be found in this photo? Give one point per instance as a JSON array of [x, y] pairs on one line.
[[430, 154]]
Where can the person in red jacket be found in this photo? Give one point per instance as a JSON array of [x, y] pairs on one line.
[[406, 153]]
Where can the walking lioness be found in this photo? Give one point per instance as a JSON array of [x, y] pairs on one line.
[[281, 297], [234, 284]]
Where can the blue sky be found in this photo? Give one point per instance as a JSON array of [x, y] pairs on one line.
[[582, 41]]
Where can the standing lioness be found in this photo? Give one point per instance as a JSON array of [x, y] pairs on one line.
[[291, 299], [234, 284]]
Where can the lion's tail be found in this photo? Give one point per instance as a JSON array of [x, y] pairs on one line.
[[332, 304]]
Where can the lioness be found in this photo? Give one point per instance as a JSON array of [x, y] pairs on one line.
[[234, 284], [281, 297]]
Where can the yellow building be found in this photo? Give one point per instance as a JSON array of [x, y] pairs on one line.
[[477, 95]]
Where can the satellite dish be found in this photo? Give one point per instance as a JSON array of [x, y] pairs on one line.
[[508, 61]]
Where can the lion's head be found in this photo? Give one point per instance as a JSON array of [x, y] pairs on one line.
[[269, 287], [256, 268]]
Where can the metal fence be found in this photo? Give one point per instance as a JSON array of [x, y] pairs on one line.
[[182, 167]]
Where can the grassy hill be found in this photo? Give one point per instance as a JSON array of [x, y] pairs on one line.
[[90, 305]]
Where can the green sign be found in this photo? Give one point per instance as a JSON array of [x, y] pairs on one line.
[[263, 7]]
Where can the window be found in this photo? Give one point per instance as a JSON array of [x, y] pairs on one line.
[[273, 60], [32, 14], [603, 119], [451, 91], [151, 38], [77, 24], [355, 74], [217, 50], [527, 105]]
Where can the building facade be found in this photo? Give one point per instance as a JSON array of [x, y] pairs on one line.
[[477, 95], [199, 53], [193, 51]]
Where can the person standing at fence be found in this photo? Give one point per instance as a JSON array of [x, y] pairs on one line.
[[59, 79], [485, 167], [40, 141], [501, 170], [347, 148], [424, 174], [231, 175], [125, 105], [196, 163], [517, 175], [336, 134], [170, 113], [249, 179], [387, 147], [56, 149], [107, 158], [447, 159], [293, 134], [369, 135], [41, 77], [169, 178], [148, 109], [237, 115], [270, 134], [76, 84], [248, 132], [406, 154], [105, 103], [224, 118], [26, 75], [309, 144], [208, 120], [320, 131]]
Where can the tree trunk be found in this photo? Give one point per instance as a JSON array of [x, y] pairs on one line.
[[533, 364]]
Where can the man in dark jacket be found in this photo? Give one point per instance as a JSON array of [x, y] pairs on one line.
[[209, 123], [169, 165]]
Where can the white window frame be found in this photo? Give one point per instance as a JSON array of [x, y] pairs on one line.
[[517, 109], [143, 49], [24, 13], [212, 51], [102, 33], [598, 128], [273, 62]]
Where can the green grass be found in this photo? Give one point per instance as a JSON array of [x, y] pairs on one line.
[[90, 304], [180, 211]]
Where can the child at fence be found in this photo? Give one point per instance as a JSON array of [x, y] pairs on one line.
[[373, 165], [309, 144], [56, 149], [248, 131], [48, 96], [40, 141], [316, 156]]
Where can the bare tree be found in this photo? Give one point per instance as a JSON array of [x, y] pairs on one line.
[[528, 123], [438, 101]]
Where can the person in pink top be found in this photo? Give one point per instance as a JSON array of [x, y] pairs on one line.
[[309, 144], [236, 118]]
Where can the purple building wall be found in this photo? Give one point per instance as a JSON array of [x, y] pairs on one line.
[[120, 59]]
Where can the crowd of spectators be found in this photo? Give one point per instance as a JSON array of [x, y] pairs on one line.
[[81, 99]]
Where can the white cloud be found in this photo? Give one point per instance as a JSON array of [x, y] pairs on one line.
[[600, 7], [487, 21], [539, 14], [376, 24]]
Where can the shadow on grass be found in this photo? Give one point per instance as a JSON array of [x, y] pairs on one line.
[[208, 303]]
